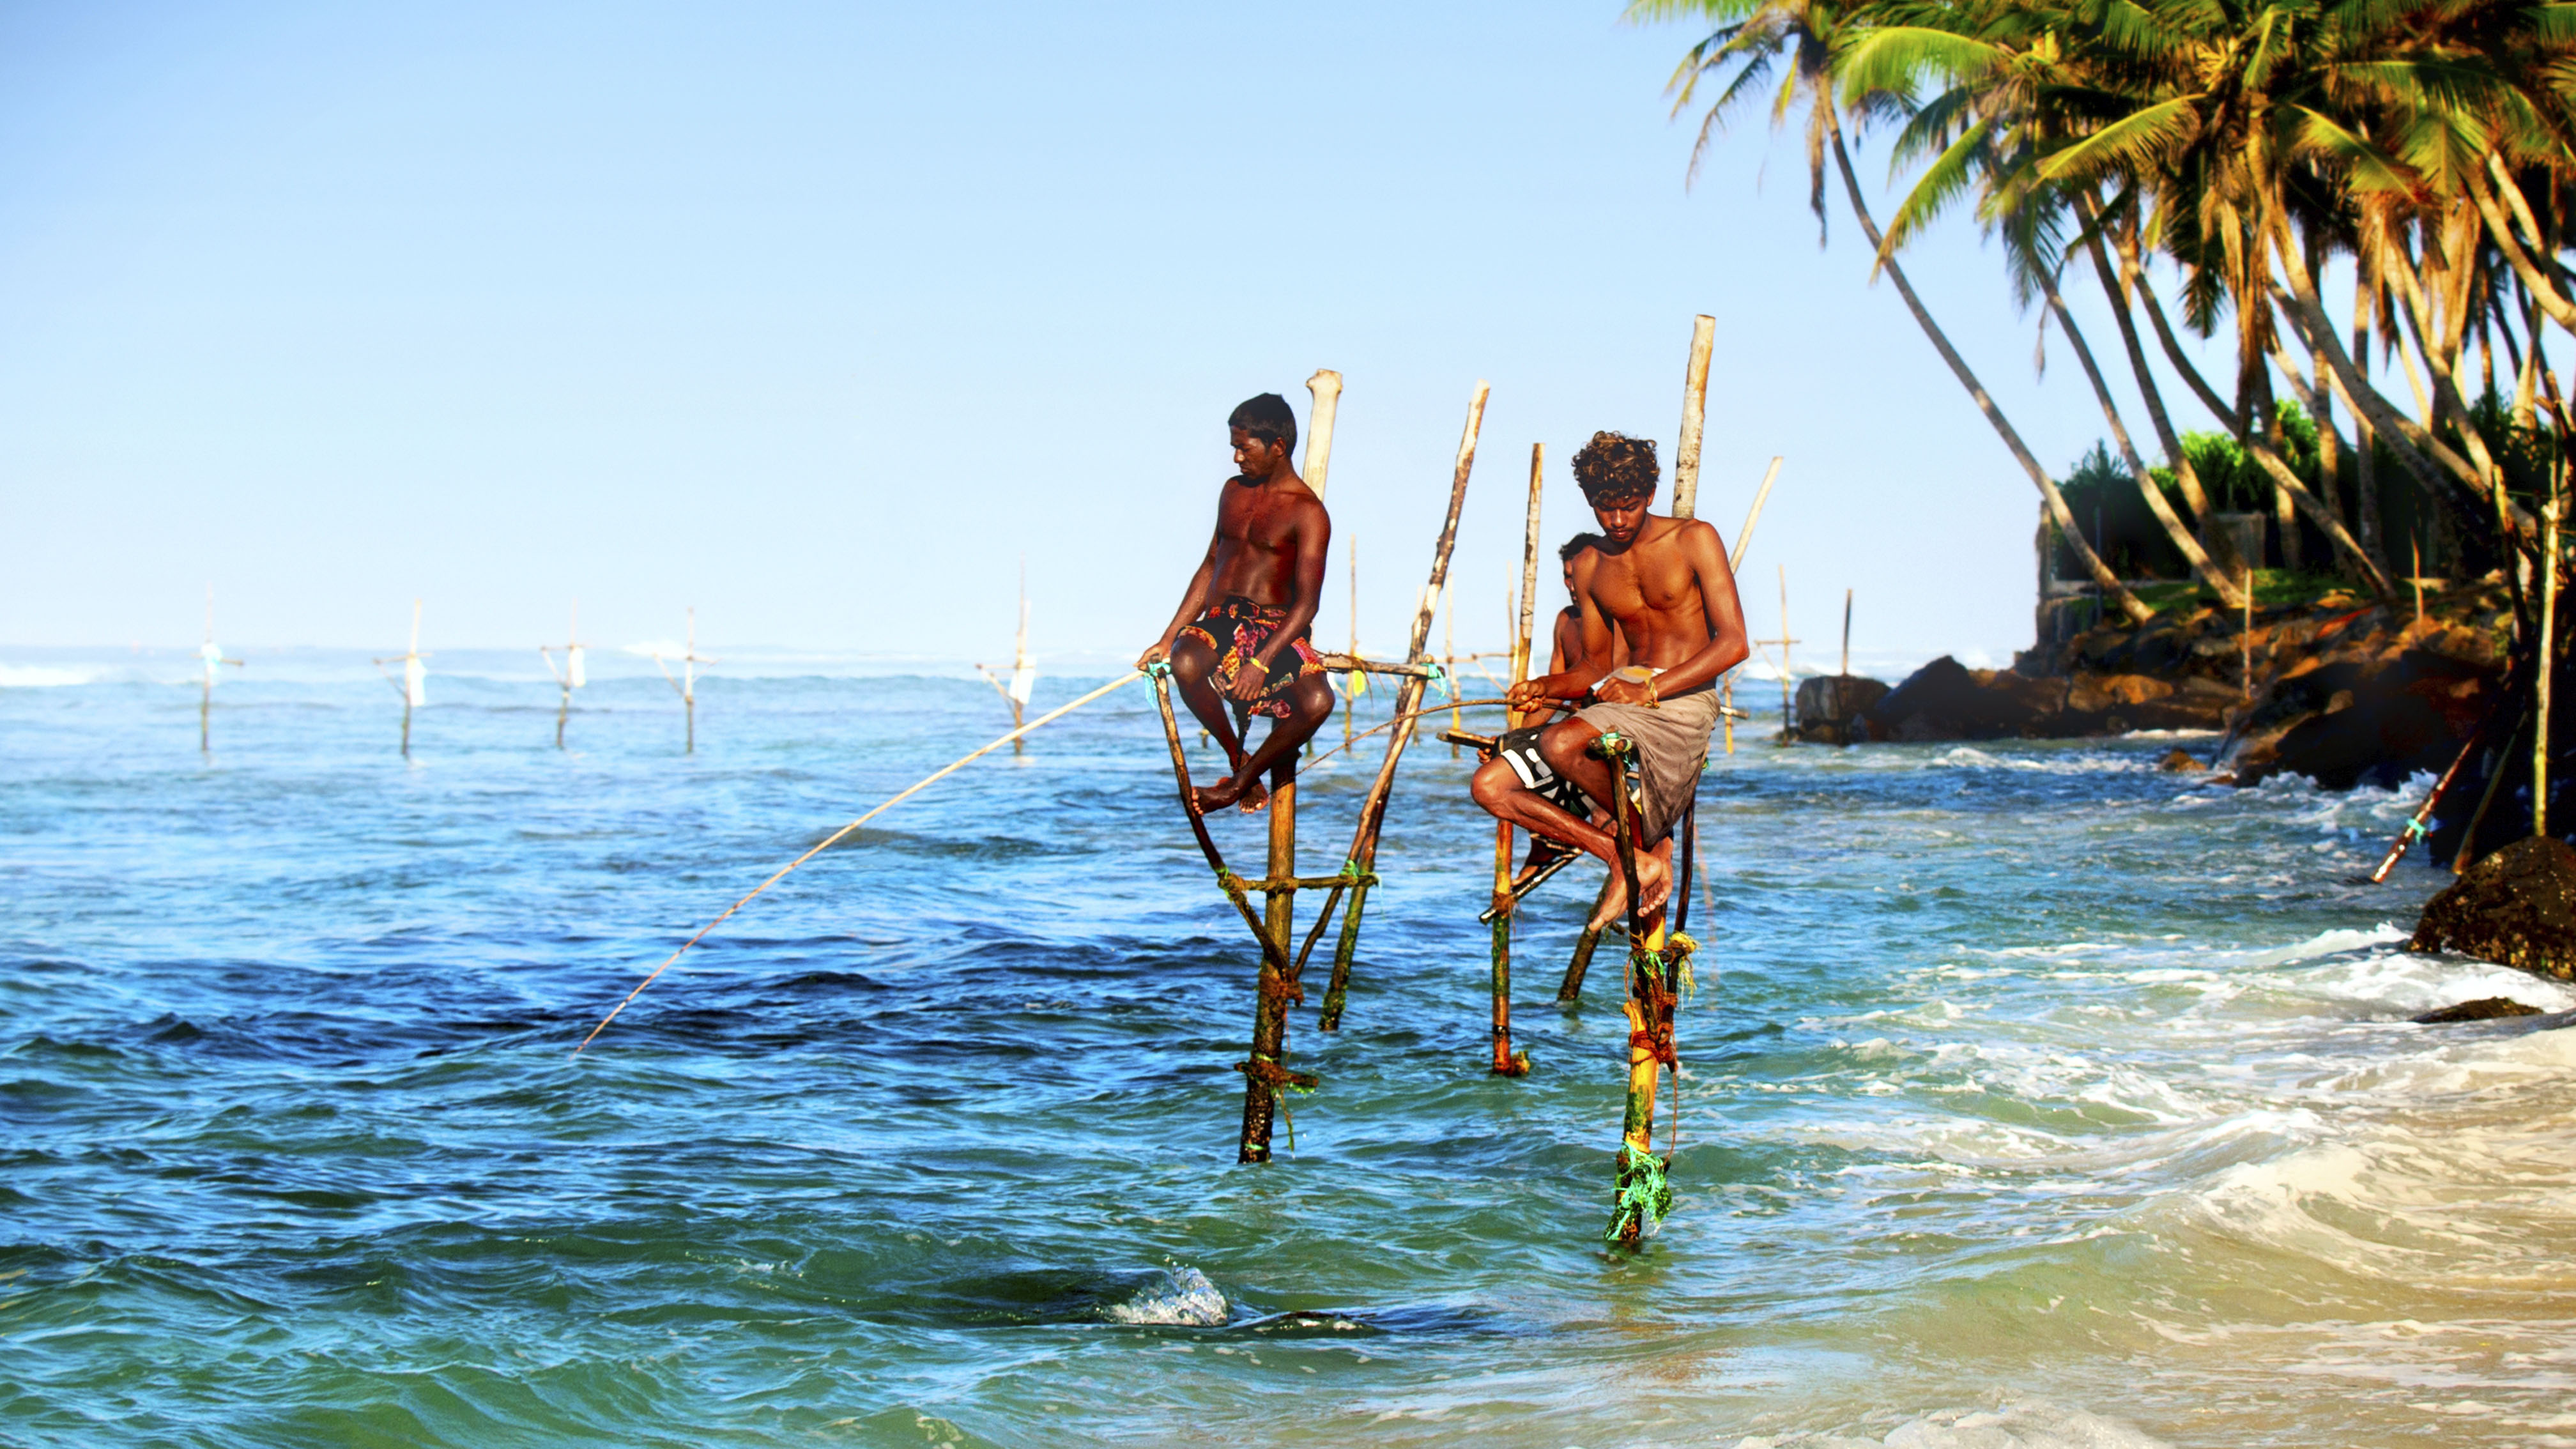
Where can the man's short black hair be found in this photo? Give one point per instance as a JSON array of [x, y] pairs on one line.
[[1577, 544], [1267, 417], [1614, 465]]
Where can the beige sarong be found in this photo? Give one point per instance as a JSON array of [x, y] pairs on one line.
[[1671, 736]]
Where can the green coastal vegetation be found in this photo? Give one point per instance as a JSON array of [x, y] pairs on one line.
[[2364, 199]]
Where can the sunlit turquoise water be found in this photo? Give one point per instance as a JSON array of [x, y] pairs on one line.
[[2033, 1097]]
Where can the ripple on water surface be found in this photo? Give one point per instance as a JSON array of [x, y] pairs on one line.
[[2032, 1097]]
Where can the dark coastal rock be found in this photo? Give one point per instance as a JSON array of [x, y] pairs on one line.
[[1833, 709], [2484, 1009], [2365, 721], [2516, 908], [2180, 762], [1945, 700]]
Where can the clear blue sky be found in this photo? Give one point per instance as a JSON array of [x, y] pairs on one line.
[[821, 316]]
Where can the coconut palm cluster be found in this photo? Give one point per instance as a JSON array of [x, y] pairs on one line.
[[2207, 164]]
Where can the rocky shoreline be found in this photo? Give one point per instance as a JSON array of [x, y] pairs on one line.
[[2342, 690]]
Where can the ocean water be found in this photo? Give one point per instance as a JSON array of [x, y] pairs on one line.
[[2032, 1097]]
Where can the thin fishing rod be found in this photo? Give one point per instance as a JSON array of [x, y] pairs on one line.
[[837, 836]]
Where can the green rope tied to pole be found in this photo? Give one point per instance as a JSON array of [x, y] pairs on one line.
[[1644, 1195], [1438, 678]]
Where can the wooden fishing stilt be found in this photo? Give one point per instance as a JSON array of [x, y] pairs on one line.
[[2540, 680], [1358, 679], [1507, 1062], [413, 686], [1643, 1193], [572, 676], [212, 654], [1788, 719], [1363, 856], [1694, 416], [1024, 675], [686, 686], [1449, 666], [1263, 1075]]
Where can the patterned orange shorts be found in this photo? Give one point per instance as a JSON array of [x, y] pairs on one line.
[[1236, 630]]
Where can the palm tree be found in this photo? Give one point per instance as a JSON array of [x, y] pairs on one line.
[[2039, 109], [1796, 38]]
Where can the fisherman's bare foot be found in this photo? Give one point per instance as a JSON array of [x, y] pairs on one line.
[[1654, 887], [1654, 884], [1614, 904], [1255, 795], [1219, 795]]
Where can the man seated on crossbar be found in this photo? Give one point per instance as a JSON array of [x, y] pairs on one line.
[[1241, 635], [1662, 586]]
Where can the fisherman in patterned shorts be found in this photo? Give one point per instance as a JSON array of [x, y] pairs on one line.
[[1242, 635]]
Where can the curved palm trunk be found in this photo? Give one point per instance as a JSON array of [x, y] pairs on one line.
[[2424, 455], [2209, 573], [2115, 287], [2130, 604]]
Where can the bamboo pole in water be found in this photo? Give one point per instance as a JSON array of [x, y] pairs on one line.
[[1507, 1062], [1363, 854], [686, 686], [1265, 1071], [412, 686], [1642, 1194], [572, 676], [2548, 653], [213, 654]]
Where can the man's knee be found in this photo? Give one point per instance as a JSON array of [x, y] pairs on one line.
[[1311, 701], [1192, 661], [1492, 784], [1563, 745]]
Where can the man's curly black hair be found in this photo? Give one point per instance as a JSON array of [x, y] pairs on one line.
[[1614, 465], [1267, 417]]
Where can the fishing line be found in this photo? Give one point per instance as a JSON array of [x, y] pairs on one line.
[[836, 837]]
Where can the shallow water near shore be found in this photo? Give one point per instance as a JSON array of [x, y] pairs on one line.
[[2032, 1097]]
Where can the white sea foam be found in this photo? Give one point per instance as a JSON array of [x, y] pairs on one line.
[[47, 676], [1182, 1298], [2013, 1424]]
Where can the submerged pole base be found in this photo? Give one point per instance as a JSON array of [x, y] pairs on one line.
[[1507, 1062], [1643, 1197]]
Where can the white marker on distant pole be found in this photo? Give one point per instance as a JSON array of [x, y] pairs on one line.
[[413, 686], [687, 683], [569, 678], [213, 654]]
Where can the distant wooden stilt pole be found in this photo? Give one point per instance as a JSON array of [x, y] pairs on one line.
[[413, 686], [1507, 1062], [686, 686], [211, 654], [1408, 699], [573, 675], [2548, 659]]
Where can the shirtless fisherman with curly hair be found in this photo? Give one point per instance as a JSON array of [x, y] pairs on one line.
[[1663, 585], [1241, 635]]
